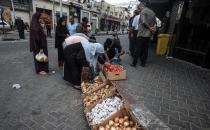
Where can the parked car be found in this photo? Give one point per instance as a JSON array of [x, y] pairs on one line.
[[6, 26]]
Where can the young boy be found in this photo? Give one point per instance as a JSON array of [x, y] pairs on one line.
[[113, 51]]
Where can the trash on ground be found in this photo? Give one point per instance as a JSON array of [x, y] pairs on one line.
[[16, 86]]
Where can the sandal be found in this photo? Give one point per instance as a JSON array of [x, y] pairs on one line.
[[43, 73]]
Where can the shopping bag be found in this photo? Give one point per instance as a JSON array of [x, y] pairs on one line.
[[41, 57]]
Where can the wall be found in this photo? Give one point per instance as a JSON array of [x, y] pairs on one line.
[[23, 15], [49, 5], [174, 13]]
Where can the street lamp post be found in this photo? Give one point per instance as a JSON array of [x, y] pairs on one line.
[[2, 20], [54, 15], [13, 10], [61, 10]]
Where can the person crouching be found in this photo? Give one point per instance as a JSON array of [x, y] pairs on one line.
[[77, 56]]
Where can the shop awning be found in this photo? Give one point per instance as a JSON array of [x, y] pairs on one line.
[[114, 19]]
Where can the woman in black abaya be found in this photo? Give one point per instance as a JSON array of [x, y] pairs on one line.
[[60, 35], [38, 42]]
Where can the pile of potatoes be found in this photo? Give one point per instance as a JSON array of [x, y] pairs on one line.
[[88, 87], [98, 95], [119, 124]]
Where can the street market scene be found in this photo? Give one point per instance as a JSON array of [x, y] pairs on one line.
[[104, 65]]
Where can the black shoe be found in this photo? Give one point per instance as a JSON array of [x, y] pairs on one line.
[[132, 65]]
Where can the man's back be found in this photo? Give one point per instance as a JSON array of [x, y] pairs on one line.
[[147, 17]]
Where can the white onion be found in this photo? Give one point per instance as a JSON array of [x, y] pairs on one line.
[[126, 123], [101, 128], [111, 122]]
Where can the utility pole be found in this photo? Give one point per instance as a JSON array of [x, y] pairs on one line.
[[61, 10], [13, 10], [2, 20], [54, 15]]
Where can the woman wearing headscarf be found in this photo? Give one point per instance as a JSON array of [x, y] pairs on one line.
[[60, 35], [77, 56], [38, 42]]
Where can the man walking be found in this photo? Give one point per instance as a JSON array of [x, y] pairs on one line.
[[131, 34], [20, 27], [147, 27], [135, 26]]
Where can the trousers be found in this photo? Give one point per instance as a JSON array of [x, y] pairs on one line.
[[141, 50]]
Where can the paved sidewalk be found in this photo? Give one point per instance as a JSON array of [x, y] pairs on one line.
[[173, 91]]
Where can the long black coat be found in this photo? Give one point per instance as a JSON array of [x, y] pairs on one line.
[[61, 34], [38, 41], [74, 61]]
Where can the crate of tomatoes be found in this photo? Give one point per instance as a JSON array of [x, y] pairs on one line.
[[114, 72]]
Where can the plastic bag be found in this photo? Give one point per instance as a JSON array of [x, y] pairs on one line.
[[41, 57]]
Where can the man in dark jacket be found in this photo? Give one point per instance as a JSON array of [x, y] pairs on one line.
[[147, 27], [20, 27]]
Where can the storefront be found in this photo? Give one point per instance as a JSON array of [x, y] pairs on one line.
[[191, 29], [75, 10], [110, 24], [114, 23], [85, 13]]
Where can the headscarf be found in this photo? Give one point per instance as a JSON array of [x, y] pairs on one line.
[[36, 33], [60, 22], [35, 25], [91, 52], [74, 39], [61, 33]]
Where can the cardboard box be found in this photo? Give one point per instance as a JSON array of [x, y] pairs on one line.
[[116, 75], [124, 111], [112, 92], [93, 88]]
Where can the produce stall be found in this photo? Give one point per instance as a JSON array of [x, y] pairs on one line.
[[114, 72], [104, 107]]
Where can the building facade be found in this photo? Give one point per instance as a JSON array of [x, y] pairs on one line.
[[101, 15], [23, 9], [51, 9], [190, 26], [112, 17]]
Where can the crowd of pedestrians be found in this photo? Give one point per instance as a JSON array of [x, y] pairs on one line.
[[77, 49], [142, 27]]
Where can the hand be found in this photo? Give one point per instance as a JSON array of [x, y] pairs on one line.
[[90, 65], [108, 62], [131, 34], [122, 53], [153, 29]]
